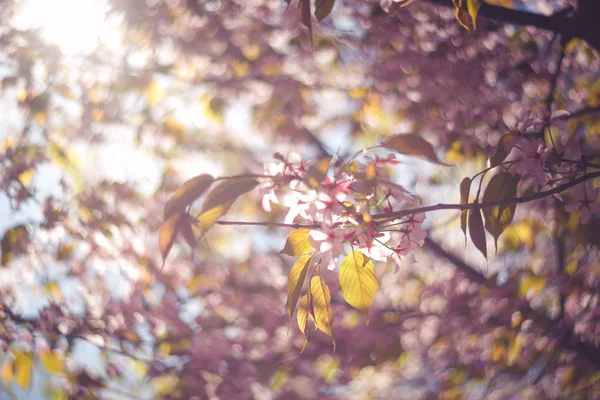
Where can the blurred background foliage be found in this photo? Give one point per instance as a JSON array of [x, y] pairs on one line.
[[109, 106]]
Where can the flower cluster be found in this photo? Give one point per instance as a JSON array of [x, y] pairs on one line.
[[343, 203], [547, 163]]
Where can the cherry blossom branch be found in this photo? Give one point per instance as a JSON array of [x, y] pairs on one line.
[[274, 224], [437, 207], [473, 206]]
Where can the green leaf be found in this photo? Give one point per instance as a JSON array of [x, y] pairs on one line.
[[412, 145], [321, 305], [22, 366], [166, 235], [297, 244], [296, 279], [465, 187], [323, 8], [358, 280], [221, 198], [476, 230], [187, 194], [503, 186]]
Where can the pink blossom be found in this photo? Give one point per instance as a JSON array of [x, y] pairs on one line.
[[585, 202], [522, 126], [547, 118], [329, 243], [534, 155]]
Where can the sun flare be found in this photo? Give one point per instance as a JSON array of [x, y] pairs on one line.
[[77, 27]]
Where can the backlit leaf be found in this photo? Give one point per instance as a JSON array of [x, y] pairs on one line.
[[187, 194], [22, 366], [323, 8], [52, 362], [502, 186], [302, 315], [296, 279], [476, 230], [220, 199], [297, 244], [358, 280], [321, 305], [465, 187], [166, 235], [412, 145]]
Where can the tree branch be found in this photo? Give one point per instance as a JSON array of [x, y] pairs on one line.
[[568, 341], [473, 206]]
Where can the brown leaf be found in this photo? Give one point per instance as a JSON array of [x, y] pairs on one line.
[[166, 235], [12, 242], [412, 145], [184, 226], [476, 230], [296, 279], [501, 152], [221, 198], [323, 8], [503, 186], [187, 194], [465, 187], [304, 11]]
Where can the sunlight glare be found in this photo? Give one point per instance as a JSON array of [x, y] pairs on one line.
[[77, 27]]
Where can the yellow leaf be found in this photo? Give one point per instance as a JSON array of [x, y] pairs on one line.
[[515, 349], [412, 145], [358, 280], [297, 244], [532, 284], [296, 281], [187, 194], [473, 9], [153, 93], [23, 365], [166, 235], [321, 305], [52, 362], [53, 291], [302, 315], [6, 373], [64, 252], [221, 198]]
